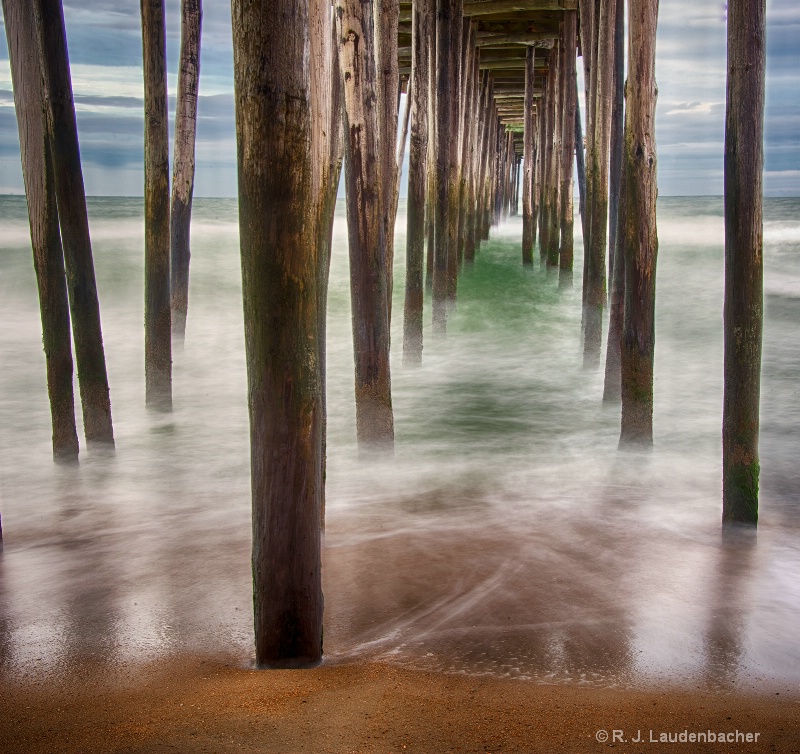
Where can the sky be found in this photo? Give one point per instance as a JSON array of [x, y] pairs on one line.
[[104, 39]]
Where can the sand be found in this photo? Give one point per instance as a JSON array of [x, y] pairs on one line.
[[212, 705]]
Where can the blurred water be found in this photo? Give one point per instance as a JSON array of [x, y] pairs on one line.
[[508, 536]]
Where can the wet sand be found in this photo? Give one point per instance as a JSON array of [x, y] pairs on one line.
[[213, 705]]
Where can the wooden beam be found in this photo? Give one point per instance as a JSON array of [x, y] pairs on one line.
[[488, 39], [489, 7]]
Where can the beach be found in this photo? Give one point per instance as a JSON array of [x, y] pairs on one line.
[[207, 705], [507, 581]]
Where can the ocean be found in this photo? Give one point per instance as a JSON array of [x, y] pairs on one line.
[[508, 536]]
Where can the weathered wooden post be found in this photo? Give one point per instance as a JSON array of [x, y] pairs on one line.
[[641, 238], [489, 156], [280, 270], [431, 189], [483, 157], [48, 256], [554, 214], [445, 120], [328, 155], [589, 10], [580, 169], [422, 29], [81, 285], [183, 162], [476, 139], [401, 146], [569, 103], [529, 164], [466, 122], [597, 185], [744, 160], [386, 17], [546, 159], [157, 314], [369, 286], [491, 175], [617, 127], [515, 186], [611, 386], [456, 47], [508, 172]]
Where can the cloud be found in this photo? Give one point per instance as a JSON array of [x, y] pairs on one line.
[[694, 108], [104, 39]]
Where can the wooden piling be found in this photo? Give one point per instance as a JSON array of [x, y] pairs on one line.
[[611, 385], [278, 236], [458, 26], [327, 158], [40, 192], [431, 188], [62, 130], [589, 10], [466, 122], [743, 318], [387, 13], [471, 241], [445, 83], [369, 285], [569, 103], [554, 170], [401, 147], [483, 170], [528, 176], [580, 169], [422, 32], [183, 167], [488, 187], [597, 184], [546, 157], [157, 314], [617, 126], [641, 238]]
